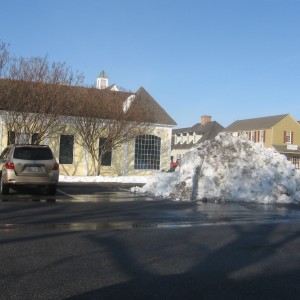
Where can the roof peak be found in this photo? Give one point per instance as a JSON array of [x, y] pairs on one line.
[[103, 74]]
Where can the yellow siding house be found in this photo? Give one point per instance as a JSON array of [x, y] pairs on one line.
[[281, 132], [143, 155]]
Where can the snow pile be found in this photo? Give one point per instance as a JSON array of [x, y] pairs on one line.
[[229, 169]]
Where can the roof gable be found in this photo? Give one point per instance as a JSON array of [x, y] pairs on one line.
[[159, 114]]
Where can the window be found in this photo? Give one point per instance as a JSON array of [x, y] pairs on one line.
[[296, 161], [22, 138], [29, 153], [66, 149], [261, 136], [34, 138], [288, 137], [11, 138], [106, 157], [147, 152], [252, 136]]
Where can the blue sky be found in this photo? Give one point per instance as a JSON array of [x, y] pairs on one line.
[[231, 59]]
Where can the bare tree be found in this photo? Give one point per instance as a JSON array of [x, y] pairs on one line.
[[39, 69], [38, 99], [4, 58], [35, 96], [115, 117]]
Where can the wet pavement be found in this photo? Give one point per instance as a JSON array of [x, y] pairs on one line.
[[100, 242], [94, 207]]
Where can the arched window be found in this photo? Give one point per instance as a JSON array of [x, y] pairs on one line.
[[147, 152]]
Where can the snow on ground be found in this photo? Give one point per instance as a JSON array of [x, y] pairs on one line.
[[120, 179], [229, 169]]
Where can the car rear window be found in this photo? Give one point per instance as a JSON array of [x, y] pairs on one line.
[[29, 153]]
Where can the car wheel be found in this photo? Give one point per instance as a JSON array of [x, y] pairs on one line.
[[4, 187], [51, 190]]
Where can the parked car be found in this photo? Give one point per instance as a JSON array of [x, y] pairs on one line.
[[28, 165]]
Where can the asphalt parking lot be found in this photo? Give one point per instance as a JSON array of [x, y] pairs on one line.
[[69, 192], [103, 242]]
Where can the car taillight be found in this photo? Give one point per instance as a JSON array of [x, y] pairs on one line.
[[56, 167], [10, 165]]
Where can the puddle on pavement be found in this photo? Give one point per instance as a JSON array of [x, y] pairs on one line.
[[133, 225], [91, 226]]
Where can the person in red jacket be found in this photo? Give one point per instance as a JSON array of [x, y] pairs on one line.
[[173, 165]]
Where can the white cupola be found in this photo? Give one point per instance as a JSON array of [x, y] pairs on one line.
[[102, 81]]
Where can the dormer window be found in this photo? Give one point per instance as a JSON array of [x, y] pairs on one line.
[[127, 103]]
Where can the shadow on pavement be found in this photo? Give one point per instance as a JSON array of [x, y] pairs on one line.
[[187, 286], [251, 264]]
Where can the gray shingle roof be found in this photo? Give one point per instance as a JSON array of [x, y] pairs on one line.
[[284, 149], [158, 115], [183, 146], [208, 131], [209, 128], [254, 124]]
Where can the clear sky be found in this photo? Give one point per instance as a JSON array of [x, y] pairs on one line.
[[231, 59]]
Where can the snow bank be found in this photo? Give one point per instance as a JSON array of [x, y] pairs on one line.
[[229, 169]]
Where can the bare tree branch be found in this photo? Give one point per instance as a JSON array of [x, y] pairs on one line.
[[4, 58], [35, 96], [106, 114]]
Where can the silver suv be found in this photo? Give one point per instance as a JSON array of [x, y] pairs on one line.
[[28, 165]]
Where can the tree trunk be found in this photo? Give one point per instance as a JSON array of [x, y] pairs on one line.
[[99, 165]]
